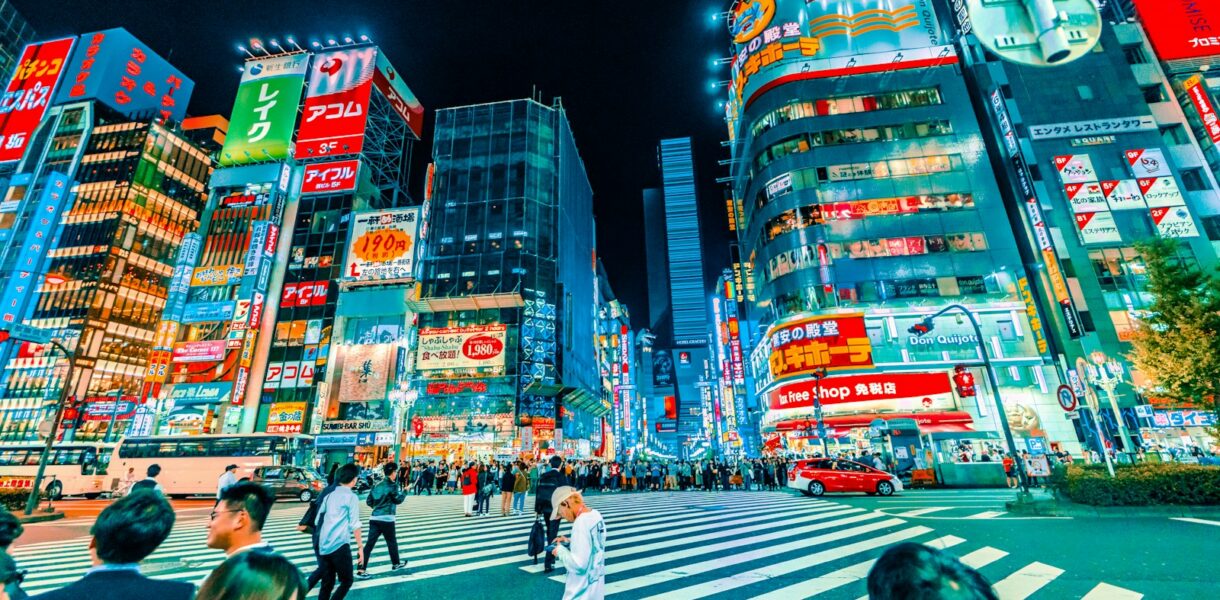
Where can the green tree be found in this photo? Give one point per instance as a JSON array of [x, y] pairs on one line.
[[1178, 344]]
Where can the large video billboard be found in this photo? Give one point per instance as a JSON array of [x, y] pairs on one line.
[[265, 111], [382, 245], [336, 103], [118, 70], [1181, 30], [777, 41], [28, 94], [391, 85]]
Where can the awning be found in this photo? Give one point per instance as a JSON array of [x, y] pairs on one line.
[[459, 303], [927, 421]]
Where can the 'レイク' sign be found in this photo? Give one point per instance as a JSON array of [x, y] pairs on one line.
[[330, 177], [859, 388], [832, 342]]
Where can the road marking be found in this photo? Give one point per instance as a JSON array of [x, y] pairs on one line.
[[762, 573], [922, 511], [982, 557], [1105, 591], [842, 577], [990, 514], [711, 565], [1199, 521], [1025, 582], [787, 519]]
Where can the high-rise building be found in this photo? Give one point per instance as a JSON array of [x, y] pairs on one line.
[[687, 289], [619, 370], [868, 203], [1101, 153], [656, 254], [506, 359], [138, 187], [292, 315]]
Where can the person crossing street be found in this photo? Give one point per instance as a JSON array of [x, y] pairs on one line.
[[384, 500]]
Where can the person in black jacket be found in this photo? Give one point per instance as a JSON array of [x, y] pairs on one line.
[[547, 482], [123, 535]]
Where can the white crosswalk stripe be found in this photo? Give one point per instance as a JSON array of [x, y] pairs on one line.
[[763, 545]]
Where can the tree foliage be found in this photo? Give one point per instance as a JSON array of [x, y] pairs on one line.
[[1178, 344]]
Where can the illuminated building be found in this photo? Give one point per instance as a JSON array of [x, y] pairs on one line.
[[139, 187], [735, 409], [676, 284], [619, 370], [1101, 153], [866, 191], [506, 360], [274, 305]]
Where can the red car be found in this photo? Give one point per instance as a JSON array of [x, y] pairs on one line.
[[817, 476]]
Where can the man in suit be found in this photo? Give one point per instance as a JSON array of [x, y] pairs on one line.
[[123, 535], [548, 482], [236, 523]]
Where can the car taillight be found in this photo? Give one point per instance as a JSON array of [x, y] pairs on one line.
[[791, 475], [317, 485]]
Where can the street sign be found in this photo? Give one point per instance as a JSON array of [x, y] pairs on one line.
[[1066, 398], [27, 333], [1143, 410]]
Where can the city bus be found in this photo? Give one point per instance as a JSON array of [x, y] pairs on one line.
[[191, 465], [73, 468]]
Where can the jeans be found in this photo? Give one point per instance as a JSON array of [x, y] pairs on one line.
[[377, 529], [519, 502], [483, 502], [337, 564]]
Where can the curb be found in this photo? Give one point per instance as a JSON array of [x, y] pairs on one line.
[[41, 518], [1055, 508]]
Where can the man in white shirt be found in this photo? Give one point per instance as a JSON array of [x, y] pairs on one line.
[[338, 520], [227, 480], [236, 524], [584, 554]]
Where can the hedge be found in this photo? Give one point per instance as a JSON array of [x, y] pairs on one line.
[[1139, 485], [14, 500]]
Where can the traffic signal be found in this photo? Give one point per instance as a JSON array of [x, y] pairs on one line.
[[921, 328], [963, 380]]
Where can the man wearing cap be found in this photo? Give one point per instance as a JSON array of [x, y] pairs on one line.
[[584, 555], [550, 481], [227, 480]]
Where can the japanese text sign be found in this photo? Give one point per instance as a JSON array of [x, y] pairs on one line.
[[330, 177], [265, 110], [118, 70], [402, 99], [27, 270], [832, 342], [28, 94], [1181, 30], [860, 388], [383, 245], [461, 347], [336, 103]]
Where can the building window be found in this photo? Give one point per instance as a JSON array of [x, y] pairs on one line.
[[804, 142], [1085, 92], [803, 109], [1154, 94], [1174, 135], [814, 214], [1192, 180], [1135, 55]]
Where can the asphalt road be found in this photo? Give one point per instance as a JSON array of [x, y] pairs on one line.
[[775, 545]]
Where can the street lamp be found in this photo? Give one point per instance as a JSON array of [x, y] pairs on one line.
[[925, 326], [32, 502]]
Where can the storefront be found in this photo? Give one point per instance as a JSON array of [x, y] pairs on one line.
[[366, 449], [1177, 432]]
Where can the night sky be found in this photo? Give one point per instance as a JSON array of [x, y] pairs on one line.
[[629, 74]]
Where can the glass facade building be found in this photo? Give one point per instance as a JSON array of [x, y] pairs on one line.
[[15, 33], [511, 247]]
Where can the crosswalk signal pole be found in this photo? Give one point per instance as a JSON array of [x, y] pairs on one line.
[[32, 502]]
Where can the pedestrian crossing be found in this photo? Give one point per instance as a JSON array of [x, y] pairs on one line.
[[951, 504], [668, 545]]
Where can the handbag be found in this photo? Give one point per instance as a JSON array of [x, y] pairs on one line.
[[537, 542]]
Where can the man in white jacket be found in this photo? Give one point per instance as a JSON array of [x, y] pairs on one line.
[[584, 555]]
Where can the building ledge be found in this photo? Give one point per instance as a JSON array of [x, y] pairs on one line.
[[456, 303]]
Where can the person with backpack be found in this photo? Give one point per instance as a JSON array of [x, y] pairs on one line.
[[550, 480], [150, 482], [306, 525], [384, 500]]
